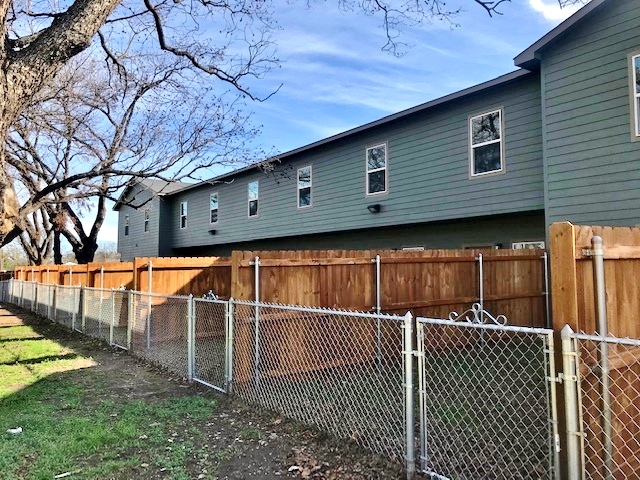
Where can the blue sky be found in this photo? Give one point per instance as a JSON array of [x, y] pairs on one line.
[[335, 76]]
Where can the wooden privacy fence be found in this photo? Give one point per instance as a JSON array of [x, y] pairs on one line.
[[430, 283]]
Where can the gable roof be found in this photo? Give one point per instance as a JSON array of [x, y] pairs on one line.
[[530, 59], [157, 186]]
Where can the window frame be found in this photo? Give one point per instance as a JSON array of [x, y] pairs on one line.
[[147, 217], [634, 98], [472, 147], [184, 214], [368, 171], [126, 225], [310, 187], [257, 199], [217, 195]]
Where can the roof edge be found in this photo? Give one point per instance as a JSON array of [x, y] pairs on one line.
[[502, 79], [529, 57]]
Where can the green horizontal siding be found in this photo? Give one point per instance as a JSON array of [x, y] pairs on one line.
[[591, 162], [428, 168]]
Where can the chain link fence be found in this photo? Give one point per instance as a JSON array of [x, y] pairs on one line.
[[485, 402], [608, 376], [159, 330], [67, 306], [340, 371], [212, 338]]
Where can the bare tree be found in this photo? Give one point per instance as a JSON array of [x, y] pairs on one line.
[[227, 40], [87, 139]]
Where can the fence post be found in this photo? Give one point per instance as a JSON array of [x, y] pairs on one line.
[[130, 318], [75, 301], [83, 314], [113, 315], [256, 353], [230, 310], [55, 303], [191, 333], [603, 354], [570, 379], [410, 460]]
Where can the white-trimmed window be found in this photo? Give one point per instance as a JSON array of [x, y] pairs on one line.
[[635, 73], [486, 143], [146, 220], [183, 214], [213, 208], [377, 169], [126, 225], [253, 193], [304, 187]]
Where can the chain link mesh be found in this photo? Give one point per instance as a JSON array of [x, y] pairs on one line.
[[210, 342], [98, 313], [485, 403], [67, 303], [610, 405], [120, 318], [159, 331], [45, 300], [28, 295], [328, 368]]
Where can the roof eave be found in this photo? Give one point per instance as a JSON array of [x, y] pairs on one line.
[[529, 58]]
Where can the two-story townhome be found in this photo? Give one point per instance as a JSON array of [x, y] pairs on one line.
[[491, 165]]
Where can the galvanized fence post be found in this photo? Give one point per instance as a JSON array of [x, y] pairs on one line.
[[570, 380], [75, 301], [410, 459], [256, 356], [113, 315], [83, 317], [603, 355], [191, 333], [230, 310], [130, 318], [552, 398]]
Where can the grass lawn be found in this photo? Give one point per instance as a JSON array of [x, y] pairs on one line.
[[45, 389]]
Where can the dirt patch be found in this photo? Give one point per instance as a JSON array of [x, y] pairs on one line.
[[235, 442]]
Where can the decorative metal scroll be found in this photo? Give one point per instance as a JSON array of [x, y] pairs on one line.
[[476, 314]]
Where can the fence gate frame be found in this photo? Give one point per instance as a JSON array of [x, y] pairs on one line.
[[551, 379]]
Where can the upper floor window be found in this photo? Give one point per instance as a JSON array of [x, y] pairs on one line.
[[253, 191], [485, 135], [304, 187], [126, 225], [213, 208], [183, 214], [146, 220], [377, 169], [635, 72]]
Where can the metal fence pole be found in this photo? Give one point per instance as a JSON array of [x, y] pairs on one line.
[[378, 310], [422, 394], [191, 334], [55, 303], [481, 286], [552, 378], [229, 345], [603, 355], [74, 311], [410, 459], [256, 357], [150, 291], [130, 318], [113, 315], [83, 317], [570, 379]]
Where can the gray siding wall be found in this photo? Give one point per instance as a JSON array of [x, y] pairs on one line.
[[139, 243], [501, 230], [591, 163], [428, 168]]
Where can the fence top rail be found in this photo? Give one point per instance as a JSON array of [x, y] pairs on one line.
[[604, 339], [210, 300], [320, 310], [155, 295], [484, 326]]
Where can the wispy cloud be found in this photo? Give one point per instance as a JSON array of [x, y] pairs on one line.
[[551, 9]]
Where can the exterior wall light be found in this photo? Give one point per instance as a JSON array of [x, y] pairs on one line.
[[374, 208]]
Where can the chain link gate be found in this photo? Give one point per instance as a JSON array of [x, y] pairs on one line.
[[487, 399], [211, 337]]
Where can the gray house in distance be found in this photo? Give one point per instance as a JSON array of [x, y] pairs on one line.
[[489, 166]]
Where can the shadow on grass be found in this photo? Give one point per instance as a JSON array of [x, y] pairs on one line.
[[46, 358]]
